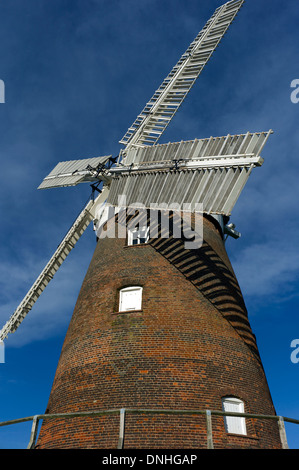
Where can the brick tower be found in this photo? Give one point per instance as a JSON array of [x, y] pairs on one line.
[[160, 332], [188, 346]]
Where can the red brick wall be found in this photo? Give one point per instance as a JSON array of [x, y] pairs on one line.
[[190, 345]]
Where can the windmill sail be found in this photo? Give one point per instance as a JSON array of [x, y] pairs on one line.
[[212, 148], [158, 112], [73, 172], [64, 248], [211, 172]]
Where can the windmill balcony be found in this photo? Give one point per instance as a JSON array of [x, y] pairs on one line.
[[205, 419]]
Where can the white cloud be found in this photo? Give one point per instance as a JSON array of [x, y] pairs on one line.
[[269, 268]]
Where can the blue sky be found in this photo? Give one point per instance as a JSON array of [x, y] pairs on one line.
[[76, 74]]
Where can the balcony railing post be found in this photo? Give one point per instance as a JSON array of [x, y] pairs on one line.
[[282, 432], [210, 444], [121, 429], [33, 434]]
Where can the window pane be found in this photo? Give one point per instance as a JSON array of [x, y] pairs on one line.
[[130, 299], [138, 236], [234, 424]]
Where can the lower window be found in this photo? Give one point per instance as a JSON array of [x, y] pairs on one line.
[[234, 424]]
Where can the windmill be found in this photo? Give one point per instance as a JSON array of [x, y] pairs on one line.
[[211, 172], [228, 161]]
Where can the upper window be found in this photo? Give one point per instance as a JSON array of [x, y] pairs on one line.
[[130, 298], [137, 236], [234, 424]]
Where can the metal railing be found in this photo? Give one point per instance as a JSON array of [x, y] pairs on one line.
[[122, 412]]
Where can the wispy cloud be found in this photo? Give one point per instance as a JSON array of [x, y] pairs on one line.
[[51, 313], [268, 269]]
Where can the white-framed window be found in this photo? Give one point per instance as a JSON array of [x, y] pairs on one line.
[[136, 236], [234, 424], [130, 298]]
